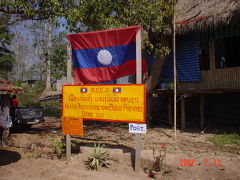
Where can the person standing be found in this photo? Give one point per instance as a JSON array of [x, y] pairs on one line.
[[5, 122], [13, 105], [14, 101]]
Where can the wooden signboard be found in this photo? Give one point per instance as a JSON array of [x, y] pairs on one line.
[[118, 103]]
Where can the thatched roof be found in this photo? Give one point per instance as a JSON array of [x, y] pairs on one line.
[[196, 15], [8, 88]]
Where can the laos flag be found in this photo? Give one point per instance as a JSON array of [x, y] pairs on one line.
[[104, 55]]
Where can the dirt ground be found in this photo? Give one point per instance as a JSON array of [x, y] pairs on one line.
[[32, 154]]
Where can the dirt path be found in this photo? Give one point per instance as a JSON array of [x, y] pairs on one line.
[[32, 154]]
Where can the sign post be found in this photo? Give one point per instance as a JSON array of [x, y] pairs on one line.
[[138, 140], [69, 77]]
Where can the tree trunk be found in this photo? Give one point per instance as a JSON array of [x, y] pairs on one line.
[[153, 79], [48, 63], [18, 69]]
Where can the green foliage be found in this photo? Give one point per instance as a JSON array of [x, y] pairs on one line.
[[58, 57], [58, 62], [30, 93], [52, 108], [154, 17], [87, 15], [53, 103], [98, 158], [58, 146], [37, 9], [6, 56], [53, 112], [229, 142], [6, 63]]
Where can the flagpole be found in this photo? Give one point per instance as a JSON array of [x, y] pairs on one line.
[[174, 73], [69, 81], [138, 142]]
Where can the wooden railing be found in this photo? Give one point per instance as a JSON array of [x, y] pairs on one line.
[[218, 79]]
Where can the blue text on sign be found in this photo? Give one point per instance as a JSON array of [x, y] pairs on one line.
[[137, 128]]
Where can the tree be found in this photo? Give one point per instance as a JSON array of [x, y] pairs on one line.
[[45, 34], [35, 71], [37, 31], [35, 10], [21, 47], [6, 56], [48, 29], [155, 17], [54, 55], [59, 56]]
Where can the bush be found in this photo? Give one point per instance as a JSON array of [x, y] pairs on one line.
[[52, 112], [58, 146], [98, 158], [30, 93], [52, 108]]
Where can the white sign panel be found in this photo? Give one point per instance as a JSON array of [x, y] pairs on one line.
[[137, 128]]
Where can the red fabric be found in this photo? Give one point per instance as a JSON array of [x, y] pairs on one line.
[[106, 38], [192, 20], [94, 72], [15, 103], [106, 73]]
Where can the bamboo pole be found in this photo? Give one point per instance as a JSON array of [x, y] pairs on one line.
[[174, 73]]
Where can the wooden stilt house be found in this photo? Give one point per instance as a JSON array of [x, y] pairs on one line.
[[207, 55]]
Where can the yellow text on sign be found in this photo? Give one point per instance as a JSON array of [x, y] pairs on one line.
[[122, 103]]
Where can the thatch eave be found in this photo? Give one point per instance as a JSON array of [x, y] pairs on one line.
[[195, 15]]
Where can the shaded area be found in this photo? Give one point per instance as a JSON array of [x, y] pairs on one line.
[[40, 128], [221, 113], [8, 157]]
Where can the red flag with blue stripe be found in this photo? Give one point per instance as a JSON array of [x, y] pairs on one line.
[[104, 55]]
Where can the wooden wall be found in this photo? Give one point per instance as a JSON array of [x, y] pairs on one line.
[[216, 79]]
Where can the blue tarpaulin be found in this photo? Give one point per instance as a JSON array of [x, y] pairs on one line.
[[187, 59]]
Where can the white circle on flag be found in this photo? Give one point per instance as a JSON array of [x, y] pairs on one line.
[[104, 57]]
